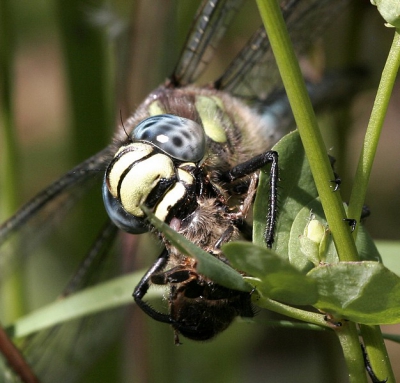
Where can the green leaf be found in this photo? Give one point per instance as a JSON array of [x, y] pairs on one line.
[[389, 10], [299, 199], [207, 265], [390, 251], [296, 190], [277, 278], [366, 247], [104, 296], [364, 292]]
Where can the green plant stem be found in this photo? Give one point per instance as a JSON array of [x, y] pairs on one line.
[[376, 351], [292, 312], [308, 128], [319, 163], [296, 325], [392, 337], [348, 338], [374, 129], [372, 336]]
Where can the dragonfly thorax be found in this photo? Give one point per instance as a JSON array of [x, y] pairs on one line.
[[154, 170]]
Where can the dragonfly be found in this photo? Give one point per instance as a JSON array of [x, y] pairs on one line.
[[191, 154]]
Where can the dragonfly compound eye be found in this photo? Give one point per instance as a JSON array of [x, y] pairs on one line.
[[179, 137], [140, 174]]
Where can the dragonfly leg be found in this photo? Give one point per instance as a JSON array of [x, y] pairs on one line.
[[177, 274], [337, 181], [225, 237], [143, 286], [352, 223], [249, 167]]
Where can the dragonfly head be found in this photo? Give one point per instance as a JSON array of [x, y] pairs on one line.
[[157, 168]]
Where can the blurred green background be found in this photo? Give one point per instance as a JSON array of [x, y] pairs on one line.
[[78, 65]]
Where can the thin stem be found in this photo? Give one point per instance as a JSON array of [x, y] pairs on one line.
[[319, 164], [292, 312], [374, 129], [295, 325], [376, 351], [348, 338], [15, 360], [372, 336], [308, 128]]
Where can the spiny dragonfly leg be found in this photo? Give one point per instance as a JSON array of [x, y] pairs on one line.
[[352, 223], [337, 181], [249, 167], [144, 284]]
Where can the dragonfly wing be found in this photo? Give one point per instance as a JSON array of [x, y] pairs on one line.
[[79, 175], [210, 25], [65, 352], [28, 227], [253, 73]]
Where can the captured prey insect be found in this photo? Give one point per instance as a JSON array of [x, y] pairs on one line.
[[192, 155]]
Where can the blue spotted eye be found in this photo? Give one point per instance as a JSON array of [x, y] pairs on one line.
[[179, 137]]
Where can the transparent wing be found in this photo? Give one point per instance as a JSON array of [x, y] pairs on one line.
[[21, 233], [64, 353], [253, 73], [60, 189], [211, 22], [54, 351]]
